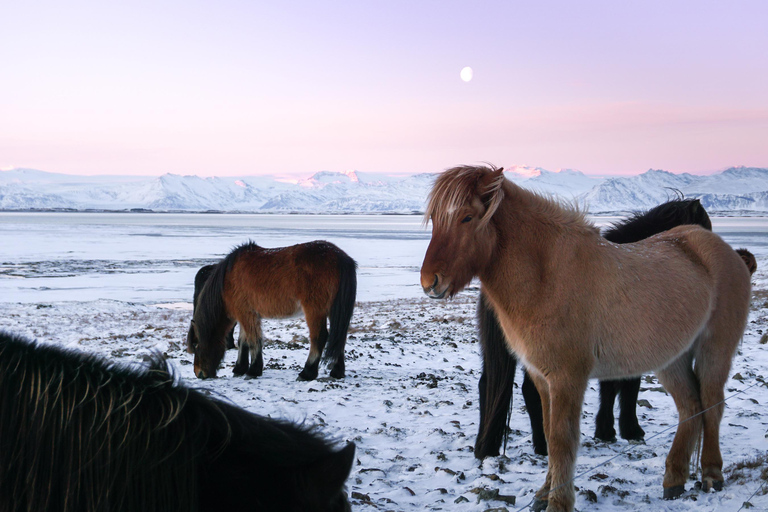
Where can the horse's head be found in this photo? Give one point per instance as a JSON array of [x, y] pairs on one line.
[[208, 353], [460, 206]]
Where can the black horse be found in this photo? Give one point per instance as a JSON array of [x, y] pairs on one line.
[[200, 279], [499, 365], [80, 434]]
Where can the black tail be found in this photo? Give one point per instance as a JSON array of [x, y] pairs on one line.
[[342, 308], [496, 382]]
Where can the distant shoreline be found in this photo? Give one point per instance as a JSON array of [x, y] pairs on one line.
[[617, 213]]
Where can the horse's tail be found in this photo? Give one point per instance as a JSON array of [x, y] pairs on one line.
[[342, 307], [749, 260], [496, 383]]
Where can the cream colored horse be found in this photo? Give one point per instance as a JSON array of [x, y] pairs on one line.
[[574, 306]]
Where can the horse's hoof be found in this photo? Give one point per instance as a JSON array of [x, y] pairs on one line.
[[608, 434], [482, 451], [671, 493], [306, 376], [337, 375], [539, 505], [540, 450], [712, 485], [237, 371], [633, 433]]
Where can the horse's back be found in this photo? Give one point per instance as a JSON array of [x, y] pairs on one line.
[[731, 276], [279, 282], [664, 292], [705, 248]]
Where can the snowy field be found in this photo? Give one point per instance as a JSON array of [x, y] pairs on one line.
[[121, 285]]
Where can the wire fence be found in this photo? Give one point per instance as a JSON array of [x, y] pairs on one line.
[[630, 447]]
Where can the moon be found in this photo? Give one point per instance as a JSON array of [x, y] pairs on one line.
[[466, 74]]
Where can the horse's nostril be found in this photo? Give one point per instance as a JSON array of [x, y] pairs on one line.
[[434, 285]]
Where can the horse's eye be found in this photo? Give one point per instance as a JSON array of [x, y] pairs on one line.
[[466, 219]]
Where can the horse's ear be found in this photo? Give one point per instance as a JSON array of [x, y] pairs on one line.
[[330, 473], [492, 193], [696, 206]]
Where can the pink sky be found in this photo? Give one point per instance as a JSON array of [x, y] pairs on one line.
[[292, 88]]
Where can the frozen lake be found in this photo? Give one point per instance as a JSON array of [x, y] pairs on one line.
[[152, 258]]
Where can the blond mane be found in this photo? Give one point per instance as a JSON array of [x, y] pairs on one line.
[[457, 186]]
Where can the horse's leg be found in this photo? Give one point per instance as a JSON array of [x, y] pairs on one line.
[[318, 335], [628, 425], [566, 396], [231, 338], [533, 406], [680, 381], [712, 368], [604, 420], [241, 366], [255, 338], [338, 370], [542, 387]]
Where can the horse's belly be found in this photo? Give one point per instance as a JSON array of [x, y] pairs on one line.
[[285, 309], [643, 355]]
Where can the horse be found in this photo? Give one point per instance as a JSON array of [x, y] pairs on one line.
[[200, 279], [574, 306], [749, 259], [81, 434], [499, 365], [252, 282]]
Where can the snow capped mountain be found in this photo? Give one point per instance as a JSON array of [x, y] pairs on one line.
[[737, 188]]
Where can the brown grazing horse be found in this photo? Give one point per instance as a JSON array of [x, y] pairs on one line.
[[574, 306], [252, 283]]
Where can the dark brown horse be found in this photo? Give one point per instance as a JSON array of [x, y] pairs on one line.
[[81, 434], [574, 306], [252, 283], [497, 378]]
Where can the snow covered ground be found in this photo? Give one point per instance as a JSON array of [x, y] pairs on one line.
[[409, 401]]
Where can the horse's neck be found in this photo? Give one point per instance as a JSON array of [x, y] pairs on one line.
[[533, 235]]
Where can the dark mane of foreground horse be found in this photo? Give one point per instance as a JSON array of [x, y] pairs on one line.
[[574, 306], [497, 378], [80, 434]]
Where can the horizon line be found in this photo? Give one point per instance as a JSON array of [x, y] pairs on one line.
[[308, 175]]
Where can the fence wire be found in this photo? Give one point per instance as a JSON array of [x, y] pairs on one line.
[[630, 447]]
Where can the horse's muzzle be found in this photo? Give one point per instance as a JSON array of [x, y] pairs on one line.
[[431, 290], [200, 374]]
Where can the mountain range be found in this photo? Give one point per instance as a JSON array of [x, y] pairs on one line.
[[737, 189]]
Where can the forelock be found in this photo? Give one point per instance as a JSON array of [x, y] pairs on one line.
[[456, 187]]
